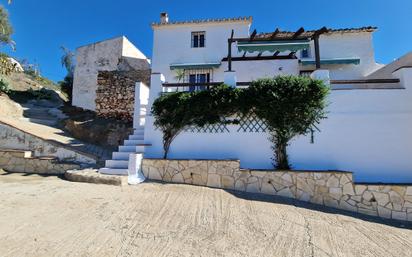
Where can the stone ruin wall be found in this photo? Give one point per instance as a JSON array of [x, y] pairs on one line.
[[115, 93], [329, 188]]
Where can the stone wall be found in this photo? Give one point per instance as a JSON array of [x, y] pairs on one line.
[[330, 188], [115, 93], [13, 138], [22, 161]]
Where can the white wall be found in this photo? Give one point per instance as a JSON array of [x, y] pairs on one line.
[[101, 56], [367, 132], [171, 45]]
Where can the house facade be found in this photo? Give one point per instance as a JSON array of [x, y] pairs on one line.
[[201, 47], [369, 114]]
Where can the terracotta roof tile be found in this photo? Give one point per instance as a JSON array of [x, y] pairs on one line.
[[218, 20], [309, 33]]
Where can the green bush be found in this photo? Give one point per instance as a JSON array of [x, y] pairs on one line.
[[4, 87], [42, 94], [289, 105]]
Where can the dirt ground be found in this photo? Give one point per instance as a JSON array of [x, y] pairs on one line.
[[48, 216]]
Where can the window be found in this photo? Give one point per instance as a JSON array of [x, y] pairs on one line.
[[198, 76], [305, 53], [198, 39]]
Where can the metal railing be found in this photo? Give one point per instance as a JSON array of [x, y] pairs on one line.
[[188, 87]]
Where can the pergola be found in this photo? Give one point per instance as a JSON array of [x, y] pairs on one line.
[[276, 43]]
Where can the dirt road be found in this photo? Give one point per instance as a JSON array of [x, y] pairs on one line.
[[47, 216]]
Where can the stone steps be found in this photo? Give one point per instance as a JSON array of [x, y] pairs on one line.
[[23, 161], [119, 163]]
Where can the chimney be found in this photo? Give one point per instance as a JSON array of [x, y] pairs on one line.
[[164, 18]]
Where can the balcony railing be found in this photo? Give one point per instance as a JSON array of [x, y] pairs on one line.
[[188, 87]]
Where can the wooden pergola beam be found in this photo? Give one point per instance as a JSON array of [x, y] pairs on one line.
[[298, 33], [252, 36], [229, 51], [274, 34]]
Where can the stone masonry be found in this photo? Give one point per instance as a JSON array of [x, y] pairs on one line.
[[115, 93], [330, 188], [22, 161]]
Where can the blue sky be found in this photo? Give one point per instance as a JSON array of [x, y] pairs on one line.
[[42, 26]]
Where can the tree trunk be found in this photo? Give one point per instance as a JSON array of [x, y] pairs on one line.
[[166, 146], [281, 156]]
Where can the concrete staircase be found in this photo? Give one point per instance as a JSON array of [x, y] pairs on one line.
[[44, 115], [119, 163]]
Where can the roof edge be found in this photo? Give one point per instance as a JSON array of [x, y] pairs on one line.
[[246, 19]]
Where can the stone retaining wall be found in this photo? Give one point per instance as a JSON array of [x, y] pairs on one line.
[[13, 138], [330, 188], [115, 93], [16, 161]]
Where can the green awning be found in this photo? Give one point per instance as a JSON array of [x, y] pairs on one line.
[[210, 65], [273, 46], [355, 61]]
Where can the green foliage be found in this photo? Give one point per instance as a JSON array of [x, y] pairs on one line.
[[40, 94], [174, 112], [6, 30], [67, 86], [67, 61], [6, 66], [180, 75], [290, 106], [4, 86], [169, 112]]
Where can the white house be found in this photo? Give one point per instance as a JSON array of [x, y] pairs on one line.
[[368, 130], [108, 55]]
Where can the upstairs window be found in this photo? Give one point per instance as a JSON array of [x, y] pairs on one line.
[[305, 53], [198, 39]]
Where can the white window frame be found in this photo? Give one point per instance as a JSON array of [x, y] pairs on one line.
[[198, 33]]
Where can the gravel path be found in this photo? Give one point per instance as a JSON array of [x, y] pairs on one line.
[[48, 216]]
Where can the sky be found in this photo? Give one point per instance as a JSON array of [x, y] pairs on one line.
[[43, 26]]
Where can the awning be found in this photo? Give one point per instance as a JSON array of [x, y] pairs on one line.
[[352, 60], [273, 46], [210, 65]]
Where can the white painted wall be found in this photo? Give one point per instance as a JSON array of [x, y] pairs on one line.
[[172, 44], [367, 132], [347, 45], [102, 56]]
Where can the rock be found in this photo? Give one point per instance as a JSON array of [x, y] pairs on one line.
[[399, 215], [332, 182], [213, 180], [381, 198], [359, 189], [348, 189], [384, 212]]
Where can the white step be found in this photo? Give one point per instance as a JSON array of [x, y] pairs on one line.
[[136, 137], [117, 164], [131, 148], [133, 142], [121, 155], [111, 171], [138, 133]]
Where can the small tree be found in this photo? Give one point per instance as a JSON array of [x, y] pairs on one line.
[[290, 106], [68, 62], [173, 112], [169, 111]]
